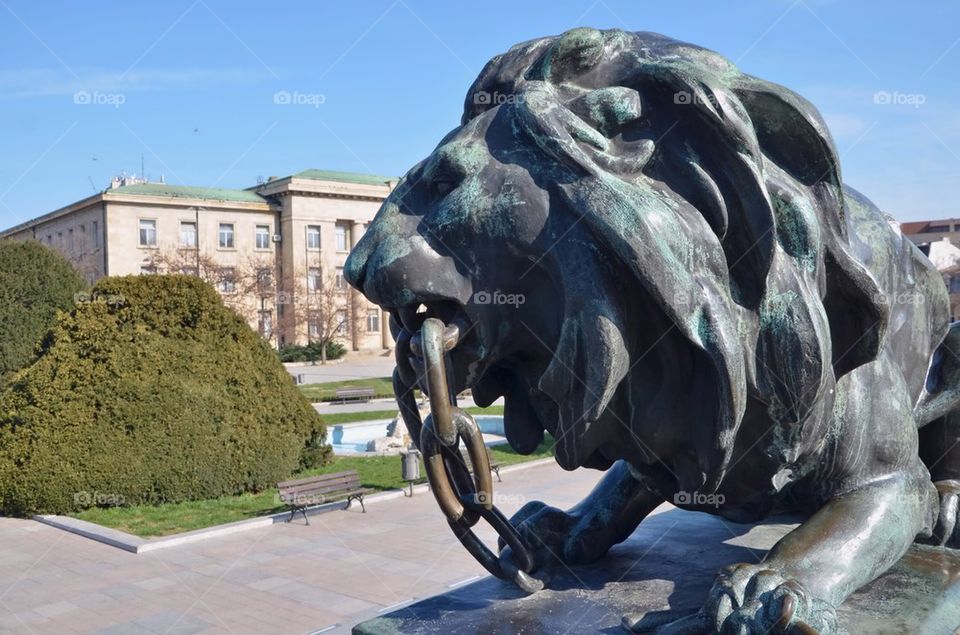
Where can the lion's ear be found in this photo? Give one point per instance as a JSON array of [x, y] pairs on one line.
[[792, 134], [855, 305]]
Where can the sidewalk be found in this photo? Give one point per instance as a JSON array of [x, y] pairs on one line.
[[289, 578], [359, 367], [333, 407]]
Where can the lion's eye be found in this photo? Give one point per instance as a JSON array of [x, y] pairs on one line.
[[443, 187]]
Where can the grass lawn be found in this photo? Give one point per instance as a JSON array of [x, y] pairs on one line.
[[332, 419], [382, 387], [377, 472]]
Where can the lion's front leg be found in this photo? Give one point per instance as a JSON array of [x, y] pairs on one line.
[[810, 571], [583, 534]]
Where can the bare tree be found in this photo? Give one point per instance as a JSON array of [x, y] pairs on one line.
[[310, 303], [248, 287], [317, 302]]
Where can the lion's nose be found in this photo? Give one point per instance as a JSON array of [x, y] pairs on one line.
[[397, 271]]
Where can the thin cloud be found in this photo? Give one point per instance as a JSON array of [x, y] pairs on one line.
[[44, 82]]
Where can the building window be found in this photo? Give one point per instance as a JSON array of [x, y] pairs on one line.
[[148, 270], [49, 239], [341, 322], [228, 280], [313, 236], [313, 325], [96, 233], [265, 323], [373, 320], [313, 279], [148, 233], [188, 235], [338, 281], [226, 235], [341, 234], [83, 228], [70, 239], [262, 236], [189, 271]]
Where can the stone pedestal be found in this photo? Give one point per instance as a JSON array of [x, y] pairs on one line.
[[668, 564]]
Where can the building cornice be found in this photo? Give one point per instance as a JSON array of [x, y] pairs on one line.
[[90, 201], [179, 201], [324, 189]]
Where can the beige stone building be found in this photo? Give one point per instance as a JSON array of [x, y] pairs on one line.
[[275, 251], [939, 239]]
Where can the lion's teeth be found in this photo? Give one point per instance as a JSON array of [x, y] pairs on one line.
[[411, 318]]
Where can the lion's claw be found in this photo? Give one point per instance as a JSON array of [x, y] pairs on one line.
[[946, 533], [758, 598], [748, 599]]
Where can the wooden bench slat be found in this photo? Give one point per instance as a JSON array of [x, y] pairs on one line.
[[319, 490], [299, 494], [354, 393], [324, 483], [321, 478]]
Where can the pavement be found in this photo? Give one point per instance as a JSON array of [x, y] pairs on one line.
[[356, 366], [331, 407], [344, 568]]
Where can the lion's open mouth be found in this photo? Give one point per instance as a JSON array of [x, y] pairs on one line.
[[464, 359]]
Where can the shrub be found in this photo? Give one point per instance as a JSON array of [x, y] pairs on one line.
[[311, 352], [152, 392], [35, 283]]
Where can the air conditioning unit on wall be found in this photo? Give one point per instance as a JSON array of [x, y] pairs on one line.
[[277, 238]]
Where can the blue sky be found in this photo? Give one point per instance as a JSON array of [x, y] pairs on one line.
[[191, 84]]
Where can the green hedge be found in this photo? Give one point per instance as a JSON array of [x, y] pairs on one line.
[[153, 391], [35, 283], [311, 352]]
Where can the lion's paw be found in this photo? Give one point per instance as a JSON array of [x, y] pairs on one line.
[[544, 530], [946, 533], [758, 599]]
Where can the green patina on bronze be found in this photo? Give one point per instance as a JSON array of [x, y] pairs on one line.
[[707, 312]]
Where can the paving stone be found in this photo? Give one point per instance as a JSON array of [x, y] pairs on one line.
[[343, 568]]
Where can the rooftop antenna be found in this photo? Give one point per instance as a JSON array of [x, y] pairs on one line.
[[92, 184]]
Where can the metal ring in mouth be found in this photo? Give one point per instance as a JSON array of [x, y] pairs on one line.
[[464, 501]]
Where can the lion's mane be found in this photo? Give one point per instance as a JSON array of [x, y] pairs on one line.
[[720, 196]]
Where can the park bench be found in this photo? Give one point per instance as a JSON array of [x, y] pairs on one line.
[[354, 394], [494, 465], [316, 490]]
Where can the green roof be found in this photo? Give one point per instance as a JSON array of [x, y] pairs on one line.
[[346, 177], [188, 191]]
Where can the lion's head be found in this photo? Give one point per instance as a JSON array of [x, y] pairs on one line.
[[638, 239]]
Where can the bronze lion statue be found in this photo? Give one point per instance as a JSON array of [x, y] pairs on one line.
[[651, 256]]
